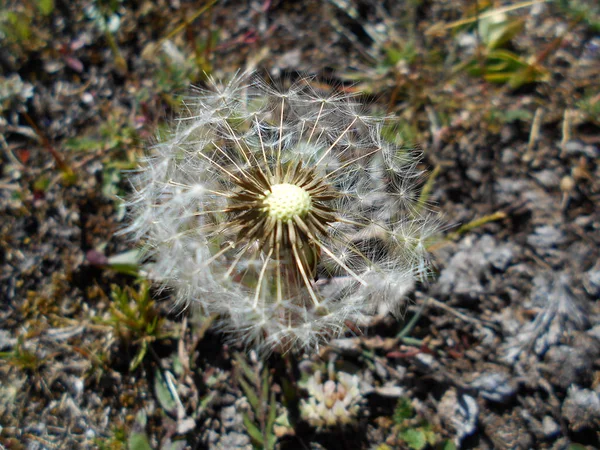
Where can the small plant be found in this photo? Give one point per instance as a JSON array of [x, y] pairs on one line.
[[116, 441], [21, 357], [331, 403], [415, 432], [255, 384], [20, 30], [104, 14], [496, 63], [133, 316]]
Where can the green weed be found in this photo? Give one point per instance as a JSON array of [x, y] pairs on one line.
[[255, 384], [134, 318], [415, 432], [22, 358]]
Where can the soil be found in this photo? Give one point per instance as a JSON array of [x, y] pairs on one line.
[[501, 349]]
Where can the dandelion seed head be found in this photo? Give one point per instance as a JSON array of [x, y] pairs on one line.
[[283, 211]]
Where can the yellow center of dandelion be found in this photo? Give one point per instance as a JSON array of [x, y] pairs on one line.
[[286, 201]]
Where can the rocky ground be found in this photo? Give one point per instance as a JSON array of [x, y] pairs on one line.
[[501, 349]]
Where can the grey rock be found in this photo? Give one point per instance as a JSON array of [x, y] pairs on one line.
[[560, 313], [570, 364], [591, 281], [501, 257], [495, 387], [425, 360], [459, 412], [574, 148], [234, 441], [464, 272], [582, 409], [549, 427], [6, 340], [545, 237], [547, 178], [229, 417]]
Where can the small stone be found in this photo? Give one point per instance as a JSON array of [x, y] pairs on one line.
[[390, 391], [550, 427], [234, 440], [591, 281], [229, 417], [567, 365], [6, 340], [87, 98], [460, 412], [573, 148], [495, 387], [186, 425], [582, 409], [425, 360], [547, 178], [546, 236]]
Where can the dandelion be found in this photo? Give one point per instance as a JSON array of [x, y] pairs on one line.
[[283, 211]]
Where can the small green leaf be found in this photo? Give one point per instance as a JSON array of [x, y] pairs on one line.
[[246, 369], [250, 395], [138, 441], [126, 263], [272, 412], [163, 393], [265, 385], [414, 438], [45, 6], [252, 430], [139, 357], [271, 441], [41, 184], [82, 144], [403, 411], [448, 445]]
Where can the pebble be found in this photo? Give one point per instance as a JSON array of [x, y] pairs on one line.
[[495, 387], [574, 148], [582, 409], [550, 427], [545, 237]]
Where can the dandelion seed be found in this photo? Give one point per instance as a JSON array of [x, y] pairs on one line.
[[282, 211]]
